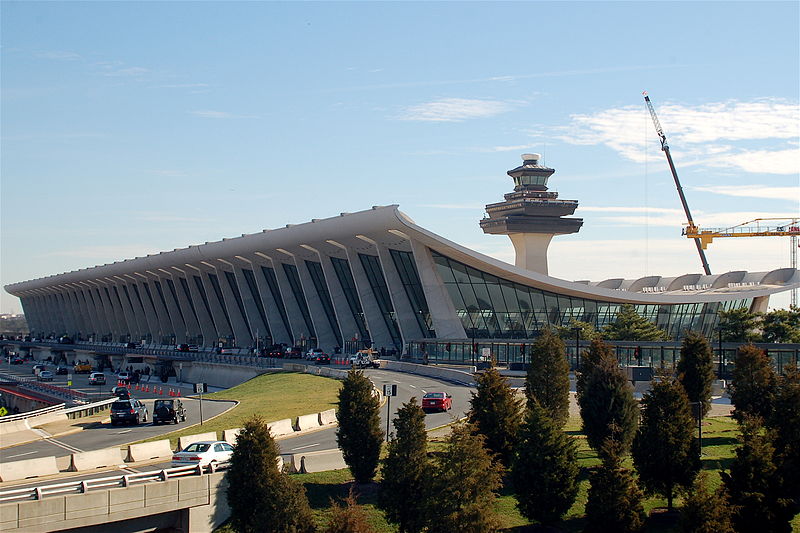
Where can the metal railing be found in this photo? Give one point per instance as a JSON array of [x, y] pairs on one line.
[[31, 414], [125, 480], [45, 388]]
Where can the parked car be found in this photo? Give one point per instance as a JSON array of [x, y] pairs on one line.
[[65, 340], [205, 453], [17, 361], [121, 392], [62, 370], [97, 378], [45, 375], [322, 359], [438, 401], [364, 360], [295, 352], [82, 368], [131, 345], [171, 410], [130, 410]]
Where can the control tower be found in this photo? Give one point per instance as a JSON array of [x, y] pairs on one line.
[[531, 215]]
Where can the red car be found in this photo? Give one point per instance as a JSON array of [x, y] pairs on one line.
[[437, 401]]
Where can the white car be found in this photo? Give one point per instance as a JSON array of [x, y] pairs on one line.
[[204, 453], [312, 354], [97, 378], [45, 375], [124, 376]]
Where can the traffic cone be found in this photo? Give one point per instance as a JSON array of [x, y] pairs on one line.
[[179, 393], [147, 388], [161, 391]]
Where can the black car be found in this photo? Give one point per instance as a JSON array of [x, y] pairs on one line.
[[17, 361], [168, 411], [62, 370], [323, 359], [130, 411], [121, 392]]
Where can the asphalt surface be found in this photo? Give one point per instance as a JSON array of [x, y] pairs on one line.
[[408, 385]]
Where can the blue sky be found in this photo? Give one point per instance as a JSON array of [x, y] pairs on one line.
[[138, 127]]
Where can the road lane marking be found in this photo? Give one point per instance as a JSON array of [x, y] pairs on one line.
[[19, 455], [412, 386], [423, 391], [307, 446], [125, 431]]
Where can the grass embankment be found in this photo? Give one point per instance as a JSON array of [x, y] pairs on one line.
[[719, 442], [273, 396]]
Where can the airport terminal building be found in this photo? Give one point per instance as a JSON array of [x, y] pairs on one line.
[[375, 278]]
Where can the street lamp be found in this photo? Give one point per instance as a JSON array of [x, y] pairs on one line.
[[577, 331]]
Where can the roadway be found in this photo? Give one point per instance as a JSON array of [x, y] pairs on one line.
[[408, 385]]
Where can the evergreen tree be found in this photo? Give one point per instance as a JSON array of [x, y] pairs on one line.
[[605, 397], [586, 331], [359, 434], [631, 326], [545, 468], [614, 502], [696, 370], [785, 421], [706, 511], [261, 497], [755, 485], [405, 471], [465, 481], [348, 517], [495, 413], [752, 389], [781, 325], [665, 451], [739, 325], [547, 382]]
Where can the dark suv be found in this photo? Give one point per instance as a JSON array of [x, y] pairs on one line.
[[131, 411], [168, 411]]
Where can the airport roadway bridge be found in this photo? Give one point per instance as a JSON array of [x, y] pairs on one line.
[[146, 498]]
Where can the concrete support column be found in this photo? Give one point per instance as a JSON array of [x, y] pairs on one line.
[[258, 327], [406, 319], [137, 305], [190, 318], [443, 312], [347, 324], [176, 319], [194, 280], [299, 327], [326, 339], [531, 250], [373, 316], [280, 333], [239, 319]]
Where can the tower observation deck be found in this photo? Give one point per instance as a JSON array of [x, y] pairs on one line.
[[531, 215]]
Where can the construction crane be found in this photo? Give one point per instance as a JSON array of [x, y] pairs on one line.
[[759, 227], [665, 149]]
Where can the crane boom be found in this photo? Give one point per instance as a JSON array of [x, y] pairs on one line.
[[684, 203]]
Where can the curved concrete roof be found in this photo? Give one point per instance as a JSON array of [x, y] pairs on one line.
[[389, 226]]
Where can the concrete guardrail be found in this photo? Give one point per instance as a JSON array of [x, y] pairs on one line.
[[307, 422], [91, 460], [321, 461], [183, 442], [280, 428], [149, 450], [448, 374], [15, 470], [327, 418], [229, 435]]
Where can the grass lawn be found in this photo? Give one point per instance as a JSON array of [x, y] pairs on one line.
[[273, 396], [719, 441]]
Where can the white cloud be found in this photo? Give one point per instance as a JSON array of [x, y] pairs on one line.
[[128, 72], [453, 206], [754, 191], [218, 114], [707, 134], [61, 55], [455, 110]]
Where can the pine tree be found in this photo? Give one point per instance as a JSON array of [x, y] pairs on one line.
[[545, 468], [739, 325], [495, 413], [614, 502], [465, 481], [782, 325], [665, 451], [785, 422], [405, 471], [696, 370], [752, 388], [359, 434], [706, 511], [261, 497], [605, 397], [631, 326], [547, 382], [754, 483], [348, 517]]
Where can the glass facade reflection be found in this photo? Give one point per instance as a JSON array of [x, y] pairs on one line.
[[407, 269], [372, 268], [495, 308], [272, 281], [299, 295], [318, 278], [342, 269]]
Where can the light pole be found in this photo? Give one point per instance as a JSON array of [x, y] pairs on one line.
[[577, 348]]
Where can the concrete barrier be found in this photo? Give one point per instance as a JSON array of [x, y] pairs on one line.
[[307, 422], [183, 442], [319, 461], [447, 374], [327, 418], [149, 450], [229, 435], [281, 427], [6, 428], [91, 460], [42, 466]]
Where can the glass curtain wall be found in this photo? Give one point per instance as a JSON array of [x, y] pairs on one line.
[[372, 268], [342, 269], [404, 262], [318, 278]]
